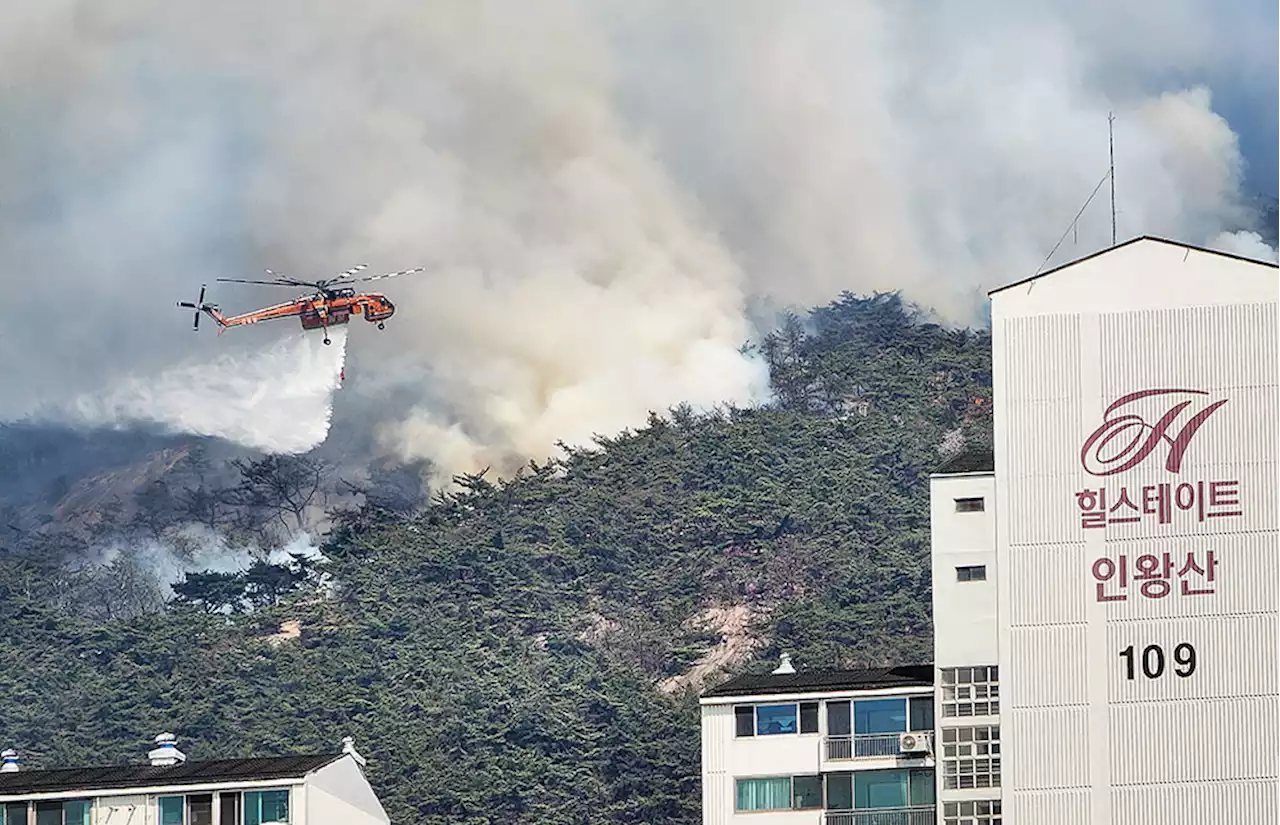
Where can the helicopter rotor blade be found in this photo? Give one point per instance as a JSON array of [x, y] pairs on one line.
[[197, 306], [281, 282], [380, 277]]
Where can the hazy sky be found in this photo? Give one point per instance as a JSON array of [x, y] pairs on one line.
[[600, 189]]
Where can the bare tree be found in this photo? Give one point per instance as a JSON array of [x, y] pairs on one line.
[[284, 487]]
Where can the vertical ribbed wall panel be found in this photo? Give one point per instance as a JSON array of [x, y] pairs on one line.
[[717, 791], [1167, 749], [1238, 802], [1067, 807], [1042, 683], [1194, 741], [1042, 595], [1059, 739]]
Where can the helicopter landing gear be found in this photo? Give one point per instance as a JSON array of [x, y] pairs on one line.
[[381, 325]]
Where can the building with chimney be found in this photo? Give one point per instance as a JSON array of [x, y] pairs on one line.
[[839, 747], [314, 789]]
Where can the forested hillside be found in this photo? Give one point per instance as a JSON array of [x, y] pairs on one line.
[[519, 651]]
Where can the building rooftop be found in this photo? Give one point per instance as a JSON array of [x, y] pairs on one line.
[[968, 461], [826, 680], [142, 775], [1139, 238]]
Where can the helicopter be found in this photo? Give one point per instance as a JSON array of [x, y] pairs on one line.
[[332, 303]]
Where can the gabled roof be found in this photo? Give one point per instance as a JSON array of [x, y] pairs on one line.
[[826, 680], [1129, 242], [113, 777], [968, 461]]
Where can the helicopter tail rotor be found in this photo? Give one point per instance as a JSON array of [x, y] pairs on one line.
[[197, 306]]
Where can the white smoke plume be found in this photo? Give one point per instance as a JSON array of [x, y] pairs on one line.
[[195, 548], [278, 400], [599, 189]]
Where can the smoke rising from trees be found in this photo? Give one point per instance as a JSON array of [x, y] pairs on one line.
[[605, 194]]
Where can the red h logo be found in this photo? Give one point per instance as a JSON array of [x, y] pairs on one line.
[[1142, 436]]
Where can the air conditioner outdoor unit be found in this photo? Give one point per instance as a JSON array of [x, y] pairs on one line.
[[913, 742]]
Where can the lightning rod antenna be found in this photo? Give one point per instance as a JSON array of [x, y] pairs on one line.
[[1111, 148]]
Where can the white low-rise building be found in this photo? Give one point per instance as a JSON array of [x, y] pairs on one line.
[[839, 747], [315, 789]]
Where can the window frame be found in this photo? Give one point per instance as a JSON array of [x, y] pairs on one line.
[[965, 692], [971, 572], [259, 793], [737, 790], [31, 810], [792, 802], [964, 504], [752, 710]]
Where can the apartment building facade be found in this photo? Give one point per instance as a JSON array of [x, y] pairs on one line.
[[966, 639], [315, 789], [823, 747]]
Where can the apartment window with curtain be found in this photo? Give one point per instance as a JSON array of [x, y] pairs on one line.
[[779, 793]]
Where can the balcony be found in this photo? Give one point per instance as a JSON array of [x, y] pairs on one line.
[[869, 746], [914, 815]]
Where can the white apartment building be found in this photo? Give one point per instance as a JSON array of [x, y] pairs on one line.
[[318, 789], [966, 639], [1106, 586], [822, 747], [1137, 394]]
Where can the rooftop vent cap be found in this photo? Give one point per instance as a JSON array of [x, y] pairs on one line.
[[785, 667], [349, 747], [166, 752], [10, 761]]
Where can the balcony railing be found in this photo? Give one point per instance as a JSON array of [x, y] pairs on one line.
[[867, 746], [914, 815]]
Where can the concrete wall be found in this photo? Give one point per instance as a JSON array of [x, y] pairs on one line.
[[1082, 740]]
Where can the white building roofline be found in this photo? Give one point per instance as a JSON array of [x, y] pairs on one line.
[[136, 790], [800, 696]]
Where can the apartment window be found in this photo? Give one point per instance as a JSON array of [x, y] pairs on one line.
[[879, 716], [779, 793], [920, 713], [865, 790], [972, 573], [772, 720], [970, 505], [970, 691], [808, 717], [197, 809], [839, 718], [61, 812], [971, 757], [806, 793], [200, 809], [171, 810], [262, 807], [976, 812], [229, 806], [13, 813]]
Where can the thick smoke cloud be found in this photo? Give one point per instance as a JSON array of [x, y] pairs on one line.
[[600, 191]]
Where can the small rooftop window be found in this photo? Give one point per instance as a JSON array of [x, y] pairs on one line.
[[972, 573], [970, 505]]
